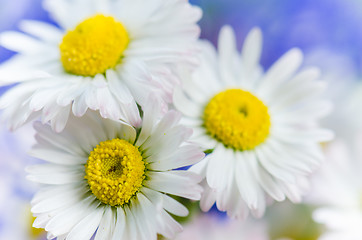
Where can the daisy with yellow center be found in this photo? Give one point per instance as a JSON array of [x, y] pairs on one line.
[[107, 56], [258, 128], [108, 178]]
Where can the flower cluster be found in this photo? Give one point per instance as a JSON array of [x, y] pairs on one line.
[[125, 97]]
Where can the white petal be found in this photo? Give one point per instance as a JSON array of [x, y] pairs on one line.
[[107, 224], [201, 167], [85, 229], [119, 229], [55, 175], [184, 156], [151, 113], [22, 43], [59, 199], [180, 183], [63, 222], [245, 179], [165, 144], [251, 52], [267, 159], [144, 213], [300, 136], [174, 207], [228, 58], [185, 105], [131, 227], [208, 197], [168, 225], [283, 69], [59, 121], [266, 181], [220, 166], [42, 30]]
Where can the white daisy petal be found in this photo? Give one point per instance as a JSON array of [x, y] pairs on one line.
[[152, 112], [186, 155], [295, 136], [229, 195], [169, 226], [283, 69], [106, 226], [131, 227], [270, 185], [66, 220], [227, 55], [170, 183], [208, 198], [265, 157], [184, 105], [42, 30], [86, 227], [217, 170], [56, 200], [295, 96], [160, 139], [146, 229], [19, 42], [174, 207], [119, 229], [58, 122], [251, 52], [201, 167], [245, 179]]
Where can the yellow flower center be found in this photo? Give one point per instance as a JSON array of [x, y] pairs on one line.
[[95, 45], [115, 171], [237, 118]]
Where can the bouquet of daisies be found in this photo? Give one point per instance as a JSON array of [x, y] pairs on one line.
[[132, 111]]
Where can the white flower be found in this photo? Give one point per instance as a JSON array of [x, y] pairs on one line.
[[103, 174], [261, 126], [105, 55], [337, 189]]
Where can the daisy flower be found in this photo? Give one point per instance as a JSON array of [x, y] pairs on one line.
[[104, 55], [107, 177], [260, 127]]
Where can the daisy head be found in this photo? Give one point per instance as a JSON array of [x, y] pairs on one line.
[[103, 56], [107, 177], [260, 128]]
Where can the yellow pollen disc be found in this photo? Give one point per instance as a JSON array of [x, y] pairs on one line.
[[237, 118], [115, 171], [95, 45]]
